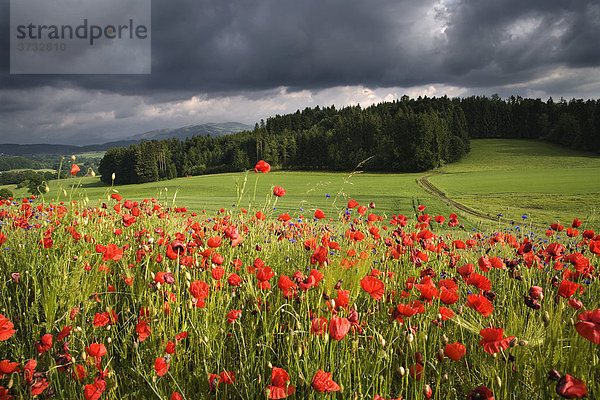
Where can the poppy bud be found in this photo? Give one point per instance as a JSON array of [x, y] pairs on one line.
[[546, 318], [113, 176], [445, 377], [498, 381], [440, 355], [514, 341], [410, 337], [445, 340], [401, 371], [427, 391], [523, 342]]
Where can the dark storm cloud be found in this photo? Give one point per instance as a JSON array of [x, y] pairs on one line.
[[209, 54], [219, 46]]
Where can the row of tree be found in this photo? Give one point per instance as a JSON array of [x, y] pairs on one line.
[[406, 135], [393, 136]]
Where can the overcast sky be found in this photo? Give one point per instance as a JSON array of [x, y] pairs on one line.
[[243, 60]]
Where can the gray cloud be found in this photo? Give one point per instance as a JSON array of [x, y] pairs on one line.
[[229, 55]]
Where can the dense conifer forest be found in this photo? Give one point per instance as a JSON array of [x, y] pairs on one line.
[[407, 135]]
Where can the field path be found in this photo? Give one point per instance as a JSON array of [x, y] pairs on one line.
[[431, 188]]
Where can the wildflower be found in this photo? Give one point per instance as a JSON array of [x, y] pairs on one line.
[[480, 304], [322, 382], [455, 351], [279, 191], [492, 341], [338, 327], [161, 366], [279, 387], [588, 325], [6, 328], [480, 393], [373, 286], [262, 166], [570, 387]]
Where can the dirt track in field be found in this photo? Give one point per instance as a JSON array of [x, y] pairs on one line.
[[431, 188]]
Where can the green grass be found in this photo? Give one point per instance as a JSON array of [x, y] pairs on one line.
[[392, 193], [545, 182]]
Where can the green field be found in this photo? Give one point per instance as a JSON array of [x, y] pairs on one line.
[[500, 176], [544, 182]]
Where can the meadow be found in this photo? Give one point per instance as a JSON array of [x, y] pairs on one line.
[[295, 285]]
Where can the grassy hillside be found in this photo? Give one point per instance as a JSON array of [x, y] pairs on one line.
[[544, 182]]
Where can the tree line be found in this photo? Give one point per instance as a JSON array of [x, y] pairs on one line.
[[406, 135]]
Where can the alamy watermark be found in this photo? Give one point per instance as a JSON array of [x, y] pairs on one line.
[[80, 37]]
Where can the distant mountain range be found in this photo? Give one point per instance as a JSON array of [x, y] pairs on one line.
[[212, 129]]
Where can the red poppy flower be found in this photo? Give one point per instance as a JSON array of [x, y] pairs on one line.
[[588, 325], [262, 166], [567, 288], [481, 393], [287, 286], [455, 351], [39, 386], [79, 373], [75, 169], [93, 391], [176, 396], [319, 214], [142, 329], [227, 377], [479, 281], [448, 296], [446, 313], [318, 325], [234, 279], [466, 270], [7, 367], [199, 289], [352, 203], [233, 315], [214, 241], [66, 331], [6, 328], [373, 286], [96, 350], [480, 304], [536, 292], [493, 341], [161, 366], [338, 327], [575, 304], [44, 344], [279, 191], [484, 263], [570, 387], [322, 382], [416, 371], [279, 387]]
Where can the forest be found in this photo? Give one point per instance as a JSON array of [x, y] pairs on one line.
[[406, 135]]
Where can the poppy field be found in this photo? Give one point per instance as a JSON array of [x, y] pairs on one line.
[[122, 299]]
